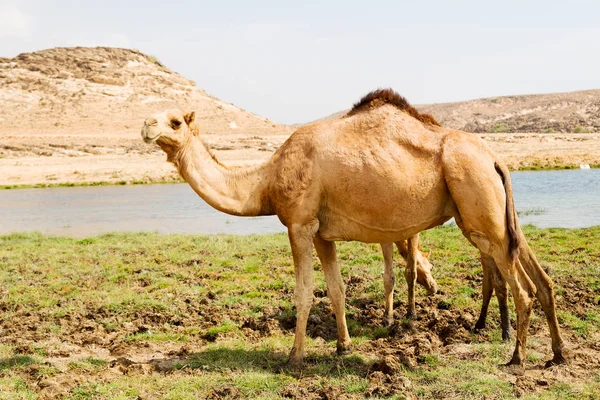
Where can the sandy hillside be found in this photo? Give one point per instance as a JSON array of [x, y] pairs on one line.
[[92, 91], [74, 115], [555, 112]]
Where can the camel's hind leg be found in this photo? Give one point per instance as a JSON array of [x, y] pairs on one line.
[[481, 191], [335, 290], [487, 290], [545, 294], [493, 281], [520, 284], [389, 280], [501, 289]]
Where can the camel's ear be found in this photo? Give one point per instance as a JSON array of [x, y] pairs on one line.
[[189, 117]]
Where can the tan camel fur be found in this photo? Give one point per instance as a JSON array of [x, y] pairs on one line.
[[381, 174]]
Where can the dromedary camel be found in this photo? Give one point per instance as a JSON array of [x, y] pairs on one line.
[[382, 173]]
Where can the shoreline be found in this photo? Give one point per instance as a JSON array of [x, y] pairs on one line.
[[176, 180]]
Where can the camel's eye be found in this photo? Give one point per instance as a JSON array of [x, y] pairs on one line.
[[175, 123]]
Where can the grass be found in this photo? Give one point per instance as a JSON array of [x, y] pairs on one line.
[[216, 314], [532, 211], [84, 184]]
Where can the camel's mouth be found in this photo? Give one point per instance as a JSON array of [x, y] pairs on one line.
[[147, 132], [149, 139]]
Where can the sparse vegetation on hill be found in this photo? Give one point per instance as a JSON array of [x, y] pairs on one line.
[[106, 90], [555, 112]]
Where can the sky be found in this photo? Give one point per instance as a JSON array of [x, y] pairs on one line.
[[299, 61]]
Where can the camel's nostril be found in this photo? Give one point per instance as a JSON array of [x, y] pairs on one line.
[[151, 122]]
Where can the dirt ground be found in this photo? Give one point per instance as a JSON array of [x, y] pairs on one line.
[[128, 315], [55, 159], [440, 332]]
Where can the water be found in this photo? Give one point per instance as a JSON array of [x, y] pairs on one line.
[[550, 198], [567, 199]]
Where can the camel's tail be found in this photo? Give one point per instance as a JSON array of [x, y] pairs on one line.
[[511, 215]]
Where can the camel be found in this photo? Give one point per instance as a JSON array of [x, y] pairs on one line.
[[382, 173], [424, 277]]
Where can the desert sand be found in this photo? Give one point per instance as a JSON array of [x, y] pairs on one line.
[[59, 159]]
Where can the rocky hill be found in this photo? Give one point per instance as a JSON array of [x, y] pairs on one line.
[[104, 91], [557, 112]]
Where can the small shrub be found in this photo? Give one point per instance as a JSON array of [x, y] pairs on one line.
[[499, 128], [155, 60], [580, 129]]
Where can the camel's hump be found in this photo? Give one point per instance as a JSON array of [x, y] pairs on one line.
[[379, 97]]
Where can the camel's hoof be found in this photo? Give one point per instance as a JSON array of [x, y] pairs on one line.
[[479, 326], [343, 351], [557, 360], [296, 358], [410, 316], [388, 322], [294, 363]]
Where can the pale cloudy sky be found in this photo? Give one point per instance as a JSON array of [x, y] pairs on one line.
[[298, 61]]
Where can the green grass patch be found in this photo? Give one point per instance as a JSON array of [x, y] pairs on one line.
[[227, 301]]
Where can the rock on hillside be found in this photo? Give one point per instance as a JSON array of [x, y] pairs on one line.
[[555, 112], [106, 90]]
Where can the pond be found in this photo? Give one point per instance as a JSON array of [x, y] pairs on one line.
[[568, 199]]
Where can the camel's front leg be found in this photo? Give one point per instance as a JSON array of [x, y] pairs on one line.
[[389, 280], [424, 277], [410, 273], [335, 290], [301, 241]]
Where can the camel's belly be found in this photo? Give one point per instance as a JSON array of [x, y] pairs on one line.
[[384, 210], [346, 229]]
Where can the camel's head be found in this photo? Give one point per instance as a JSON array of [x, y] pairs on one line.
[[424, 277], [171, 129]]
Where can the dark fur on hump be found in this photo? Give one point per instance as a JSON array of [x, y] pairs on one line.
[[379, 97]]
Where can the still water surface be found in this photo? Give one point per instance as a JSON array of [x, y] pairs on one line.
[[549, 198]]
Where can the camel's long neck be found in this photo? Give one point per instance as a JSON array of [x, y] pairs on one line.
[[233, 191]]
